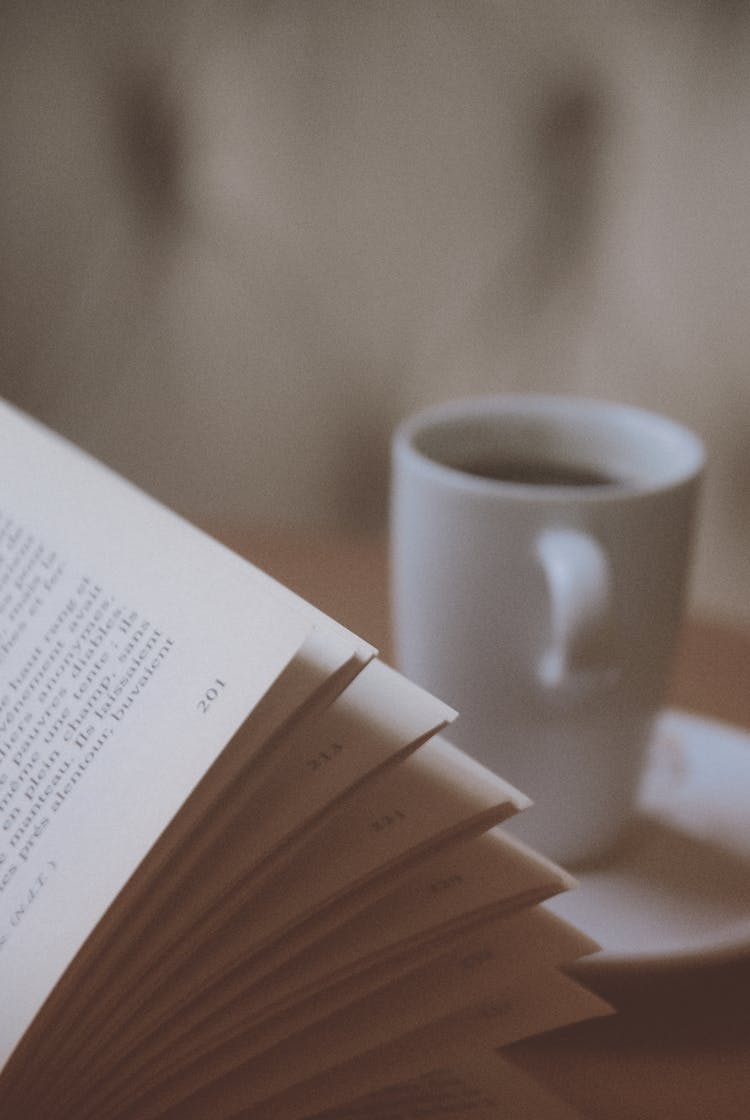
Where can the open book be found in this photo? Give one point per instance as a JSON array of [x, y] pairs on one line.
[[241, 872]]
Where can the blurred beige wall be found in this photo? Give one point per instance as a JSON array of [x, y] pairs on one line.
[[239, 240]]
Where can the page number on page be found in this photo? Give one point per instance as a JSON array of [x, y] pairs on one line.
[[209, 696]]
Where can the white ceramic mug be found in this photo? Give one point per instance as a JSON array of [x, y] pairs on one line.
[[540, 552]]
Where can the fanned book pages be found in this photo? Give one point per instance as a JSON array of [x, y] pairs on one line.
[[242, 873]]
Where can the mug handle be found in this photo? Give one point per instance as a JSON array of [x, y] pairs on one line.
[[581, 650]]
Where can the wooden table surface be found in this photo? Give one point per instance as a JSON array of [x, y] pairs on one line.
[[679, 1046]]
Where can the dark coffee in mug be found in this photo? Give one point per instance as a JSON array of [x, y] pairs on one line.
[[532, 472]]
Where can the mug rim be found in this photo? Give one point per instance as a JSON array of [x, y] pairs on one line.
[[682, 452]]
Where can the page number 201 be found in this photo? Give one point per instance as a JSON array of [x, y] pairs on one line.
[[209, 696]]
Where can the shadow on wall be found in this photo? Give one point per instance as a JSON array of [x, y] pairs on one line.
[[239, 242]]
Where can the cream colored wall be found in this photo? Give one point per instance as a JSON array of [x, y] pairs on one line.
[[238, 242]]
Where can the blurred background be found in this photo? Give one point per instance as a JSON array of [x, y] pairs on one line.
[[239, 241]]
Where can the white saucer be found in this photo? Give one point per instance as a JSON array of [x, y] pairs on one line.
[[677, 893]]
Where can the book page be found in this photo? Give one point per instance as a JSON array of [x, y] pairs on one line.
[[424, 986], [479, 1090], [376, 719], [491, 876], [439, 794], [477, 882], [467, 1045], [318, 674], [371, 1046], [132, 647], [446, 790], [465, 1086]]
